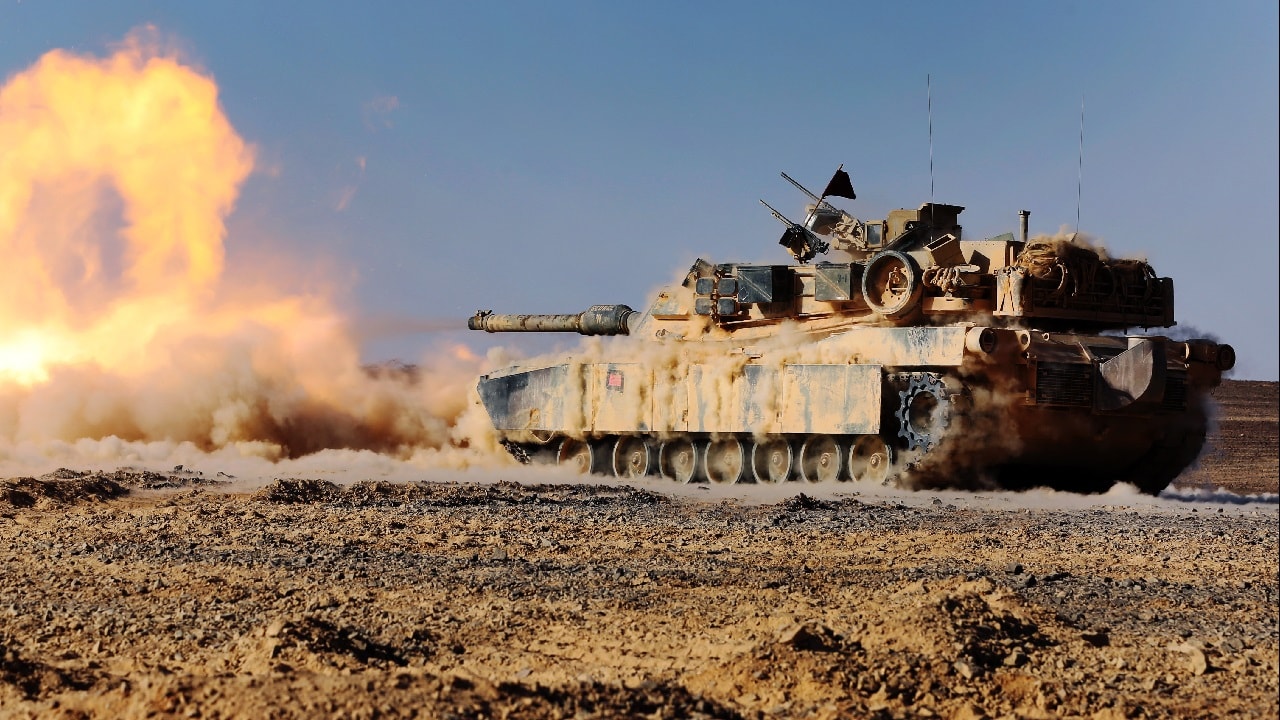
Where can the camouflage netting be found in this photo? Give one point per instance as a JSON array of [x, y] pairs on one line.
[[1075, 267]]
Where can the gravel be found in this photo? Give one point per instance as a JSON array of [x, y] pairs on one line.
[[125, 594]]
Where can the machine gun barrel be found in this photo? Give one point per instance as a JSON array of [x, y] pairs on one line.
[[596, 320], [819, 203], [780, 217]]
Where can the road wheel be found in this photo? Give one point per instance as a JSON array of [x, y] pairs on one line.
[[820, 457], [771, 460], [632, 457], [871, 460], [725, 461], [678, 460], [580, 455]]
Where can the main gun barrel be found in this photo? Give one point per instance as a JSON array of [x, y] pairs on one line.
[[596, 320]]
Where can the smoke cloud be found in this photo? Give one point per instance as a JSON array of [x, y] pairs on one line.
[[122, 332]]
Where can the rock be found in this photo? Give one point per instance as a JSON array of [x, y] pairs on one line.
[[809, 636], [275, 628], [1096, 638], [1197, 643], [1013, 568], [965, 668], [1017, 658], [1196, 659]]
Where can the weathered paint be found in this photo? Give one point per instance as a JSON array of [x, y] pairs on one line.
[[526, 399], [796, 399], [831, 399], [619, 398], [903, 346], [1136, 375], [747, 405]]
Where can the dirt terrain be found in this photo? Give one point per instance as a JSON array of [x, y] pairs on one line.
[[135, 594], [1242, 447]]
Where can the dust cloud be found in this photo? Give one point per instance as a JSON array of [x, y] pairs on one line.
[[125, 336]]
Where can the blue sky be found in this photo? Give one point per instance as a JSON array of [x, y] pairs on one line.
[[542, 157]]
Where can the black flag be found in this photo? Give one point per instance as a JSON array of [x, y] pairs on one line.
[[840, 186]]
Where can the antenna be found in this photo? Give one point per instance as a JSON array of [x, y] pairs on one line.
[[928, 83], [1080, 166]]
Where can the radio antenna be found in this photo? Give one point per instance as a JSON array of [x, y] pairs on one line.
[[928, 84], [1080, 166]]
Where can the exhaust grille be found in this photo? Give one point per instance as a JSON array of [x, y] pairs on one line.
[[1175, 392], [1064, 384]]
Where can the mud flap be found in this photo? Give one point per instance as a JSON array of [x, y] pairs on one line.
[[1134, 377]]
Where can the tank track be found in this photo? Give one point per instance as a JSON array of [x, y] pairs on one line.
[[924, 410], [728, 460], [517, 451], [917, 418]]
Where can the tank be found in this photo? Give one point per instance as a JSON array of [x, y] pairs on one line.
[[911, 356]]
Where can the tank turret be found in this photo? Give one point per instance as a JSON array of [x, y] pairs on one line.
[[913, 356]]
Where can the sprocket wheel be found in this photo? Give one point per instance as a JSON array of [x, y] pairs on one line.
[[924, 411]]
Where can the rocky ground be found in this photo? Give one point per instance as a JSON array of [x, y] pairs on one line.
[[137, 594]]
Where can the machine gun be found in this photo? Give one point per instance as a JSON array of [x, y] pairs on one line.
[[800, 241]]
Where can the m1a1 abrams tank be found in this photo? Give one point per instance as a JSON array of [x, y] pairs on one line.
[[921, 358]]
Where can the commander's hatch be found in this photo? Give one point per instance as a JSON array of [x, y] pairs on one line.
[[913, 229]]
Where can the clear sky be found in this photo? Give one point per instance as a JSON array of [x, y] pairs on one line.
[[546, 156]]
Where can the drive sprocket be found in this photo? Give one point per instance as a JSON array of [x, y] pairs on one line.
[[924, 411]]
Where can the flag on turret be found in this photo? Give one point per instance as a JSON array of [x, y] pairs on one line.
[[840, 185]]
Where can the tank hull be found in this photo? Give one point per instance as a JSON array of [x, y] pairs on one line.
[[915, 406]]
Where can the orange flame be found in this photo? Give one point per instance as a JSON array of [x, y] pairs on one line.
[[79, 133], [116, 317]]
